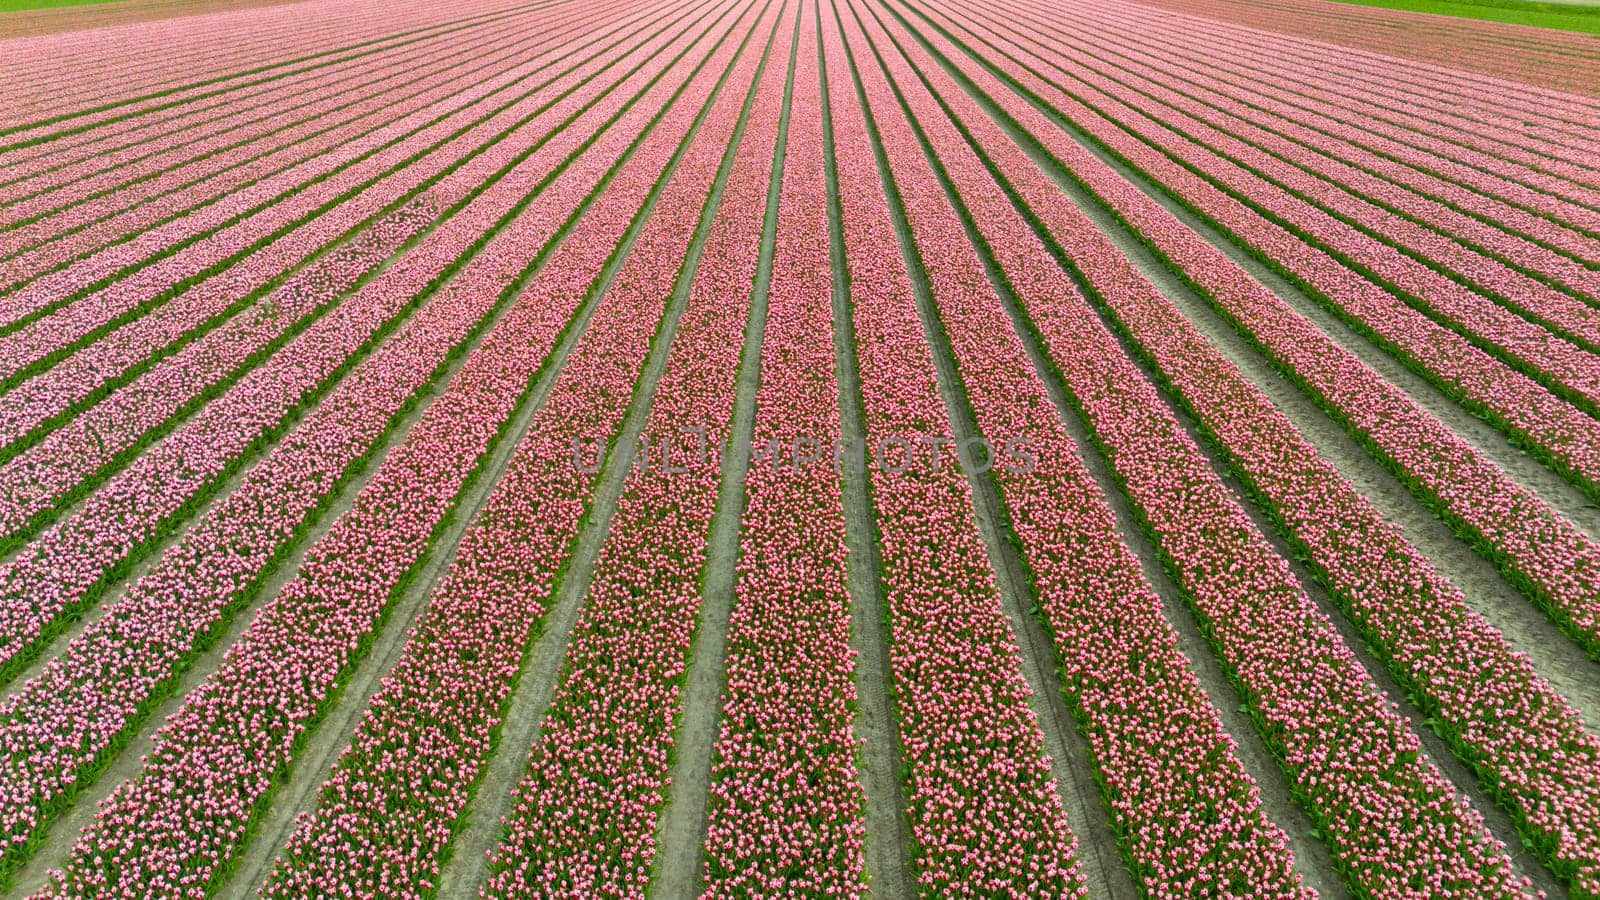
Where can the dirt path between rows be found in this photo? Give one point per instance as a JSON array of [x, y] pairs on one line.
[[889, 845], [1066, 749], [297, 792], [1311, 856], [542, 664], [130, 759], [1346, 455], [682, 825]]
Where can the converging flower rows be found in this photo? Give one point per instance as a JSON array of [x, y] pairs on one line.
[[351, 543]]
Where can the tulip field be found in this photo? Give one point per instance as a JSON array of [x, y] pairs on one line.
[[758, 448]]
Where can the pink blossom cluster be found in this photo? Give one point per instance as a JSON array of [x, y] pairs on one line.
[[207, 168], [1188, 814], [78, 60], [61, 569], [1510, 269], [123, 162], [1390, 818], [33, 482], [224, 241], [1571, 189], [240, 540], [1516, 62], [95, 76], [386, 813], [1308, 105], [68, 719], [1443, 102], [1503, 717], [251, 216], [1278, 190], [1344, 117], [1392, 105], [106, 397], [605, 742], [46, 471], [242, 726], [785, 810], [93, 211], [1335, 137], [279, 285], [1515, 184], [187, 118], [1544, 553], [83, 164], [983, 804]]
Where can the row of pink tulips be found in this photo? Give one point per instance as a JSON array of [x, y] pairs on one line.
[[785, 816], [1354, 763], [112, 362], [1545, 554], [93, 692], [96, 150], [65, 568], [1461, 89], [1481, 317], [1568, 184], [55, 457], [1444, 58], [1568, 367], [1521, 181], [166, 63], [77, 58], [175, 186], [1519, 272], [604, 742], [385, 815], [128, 279], [243, 725], [59, 240], [985, 814], [1531, 240], [1188, 814], [1384, 91], [1482, 119], [229, 229], [477, 117], [128, 157], [1508, 182], [1313, 178], [113, 429], [1504, 719], [1226, 76], [1231, 68], [1571, 202], [187, 350]]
